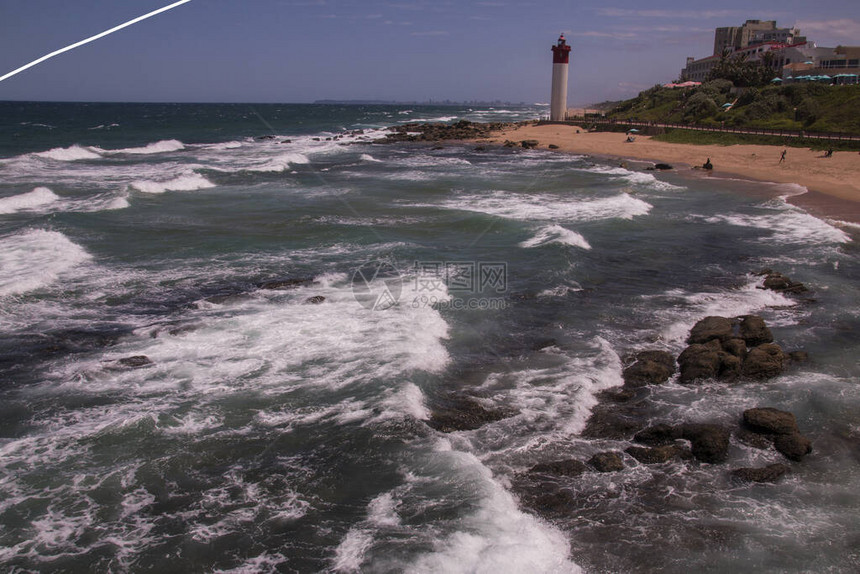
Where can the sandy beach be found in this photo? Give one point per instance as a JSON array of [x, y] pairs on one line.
[[833, 183]]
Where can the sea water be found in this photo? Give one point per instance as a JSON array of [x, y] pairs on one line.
[[285, 430]]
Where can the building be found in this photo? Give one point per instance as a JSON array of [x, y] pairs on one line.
[[786, 47], [560, 58]]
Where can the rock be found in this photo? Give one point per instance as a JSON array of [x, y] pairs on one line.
[[794, 446], [559, 468], [650, 368], [764, 361], [285, 283], [286, 141], [753, 439], [609, 461], [779, 282], [730, 366], [480, 148], [662, 166], [465, 413], [767, 420], [135, 362], [611, 424], [710, 443], [769, 473], [654, 454], [721, 328], [266, 137], [798, 356], [659, 434], [315, 300], [754, 331], [529, 144], [552, 146], [736, 347], [699, 362]]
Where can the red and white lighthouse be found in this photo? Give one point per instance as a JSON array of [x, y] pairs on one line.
[[558, 103]]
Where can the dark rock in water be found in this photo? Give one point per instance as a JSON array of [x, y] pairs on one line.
[[736, 347], [710, 443], [767, 420], [755, 440], [266, 137], [135, 362], [721, 328], [798, 356], [754, 331], [560, 468], [650, 368], [764, 361], [662, 166], [730, 366], [794, 446], [607, 462], [480, 148], [700, 362], [619, 396], [769, 473], [558, 502], [315, 300], [285, 283], [657, 435], [465, 413], [610, 423], [655, 454], [529, 144], [552, 146], [286, 141], [779, 282]]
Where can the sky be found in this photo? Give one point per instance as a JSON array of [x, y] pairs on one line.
[[405, 50]]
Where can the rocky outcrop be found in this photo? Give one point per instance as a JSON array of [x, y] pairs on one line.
[[769, 473], [768, 420], [315, 300], [609, 461], [764, 361], [657, 454], [659, 434], [724, 348], [559, 468], [780, 283], [710, 443], [465, 413], [650, 368], [529, 144], [781, 428], [133, 362], [434, 132]]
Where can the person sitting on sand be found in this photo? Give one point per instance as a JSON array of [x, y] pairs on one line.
[[829, 152], [782, 157], [708, 164]]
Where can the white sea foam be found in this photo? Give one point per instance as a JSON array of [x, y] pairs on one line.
[[368, 157], [72, 153], [163, 146], [32, 200], [545, 207], [187, 182], [36, 258], [788, 224], [497, 537], [556, 234]]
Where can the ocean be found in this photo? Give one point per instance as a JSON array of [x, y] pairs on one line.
[[225, 332]]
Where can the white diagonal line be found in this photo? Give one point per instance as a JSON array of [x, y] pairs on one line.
[[93, 38]]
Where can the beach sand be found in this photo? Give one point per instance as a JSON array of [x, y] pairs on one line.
[[834, 183]]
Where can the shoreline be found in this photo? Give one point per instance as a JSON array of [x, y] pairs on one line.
[[832, 184]]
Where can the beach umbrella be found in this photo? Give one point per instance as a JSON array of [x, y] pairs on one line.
[[633, 131], [775, 80]]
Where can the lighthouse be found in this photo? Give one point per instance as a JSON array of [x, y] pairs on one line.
[[558, 103]]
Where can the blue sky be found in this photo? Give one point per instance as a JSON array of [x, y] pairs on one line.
[[303, 50]]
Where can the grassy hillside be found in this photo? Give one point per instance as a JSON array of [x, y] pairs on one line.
[[807, 106]]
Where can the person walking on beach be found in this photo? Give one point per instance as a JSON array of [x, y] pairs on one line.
[[782, 157]]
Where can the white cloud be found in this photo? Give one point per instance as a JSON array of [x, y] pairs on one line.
[[844, 30], [431, 33], [668, 14]]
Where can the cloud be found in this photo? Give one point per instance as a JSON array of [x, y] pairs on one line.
[[431, 33], [596, 34], [668, 14], [844, 29]]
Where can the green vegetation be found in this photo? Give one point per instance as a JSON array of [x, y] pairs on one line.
[[727, 138], [805, 106]]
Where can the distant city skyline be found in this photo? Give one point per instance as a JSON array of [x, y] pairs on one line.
[[303, 51]]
